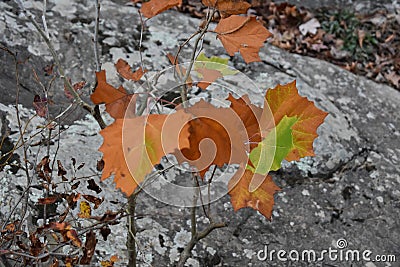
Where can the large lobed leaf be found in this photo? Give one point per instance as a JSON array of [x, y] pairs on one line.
[[284, 100], [296, 119], [205, 135], [242, 34], [133, 146], [217, 137]]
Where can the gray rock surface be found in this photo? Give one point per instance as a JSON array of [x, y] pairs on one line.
[[350, 190], [358, 5]]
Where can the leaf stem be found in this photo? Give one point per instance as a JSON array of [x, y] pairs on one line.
[[192, 59]]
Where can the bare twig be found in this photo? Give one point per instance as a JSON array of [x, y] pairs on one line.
[[46, 30], [196, 238], [96, 36], [77, 99], [193, 58], [131, 242], [143, 105], [25, 148], [193, 223]]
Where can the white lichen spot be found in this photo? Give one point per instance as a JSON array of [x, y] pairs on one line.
[[211, 250], [305, 192], [370, 115], [249, 253], [181, 238], [192, 262], [321, 214]]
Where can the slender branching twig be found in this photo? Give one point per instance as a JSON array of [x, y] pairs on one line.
[[193, 58], [96, 36], [77, 99]]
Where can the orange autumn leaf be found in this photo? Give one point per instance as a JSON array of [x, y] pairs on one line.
[[242, 34], [261, 199], [217, 137], [117, 101], [73, 236], [113, 157], [209, 76], [155, 7], [125, 71], [250, 115], [228, 7], [284, 100], [133, 146]]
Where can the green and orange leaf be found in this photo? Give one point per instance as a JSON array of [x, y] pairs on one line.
[[270, 152], [210, 69], [133, 146], [284, 100]]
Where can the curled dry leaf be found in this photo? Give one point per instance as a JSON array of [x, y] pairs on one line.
[[242, 34], [155, 7], [228, 7], [89, 248], [61, 169], [40, 105], [76, 86], [36, 246], [125, 71], [43, 169], [109, 263], [55, 263], [93, 186], [47, 200], [95, 200], [394, 78]]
